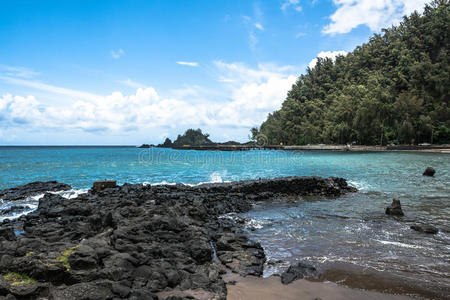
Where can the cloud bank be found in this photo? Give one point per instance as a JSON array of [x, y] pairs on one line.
[[245, 101]]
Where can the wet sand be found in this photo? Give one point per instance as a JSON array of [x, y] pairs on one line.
[[271, 288]]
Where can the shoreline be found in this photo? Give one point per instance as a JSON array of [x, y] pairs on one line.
[[174, 236], [271, 288], [337, 148]]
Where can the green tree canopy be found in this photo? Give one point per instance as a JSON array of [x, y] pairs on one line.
[[393, 89]]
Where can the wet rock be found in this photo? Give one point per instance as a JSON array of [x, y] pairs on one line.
[[429, 171], [299, 271], [7, 234], [13, 209], [425, 228], [395, 209], [32, 189]]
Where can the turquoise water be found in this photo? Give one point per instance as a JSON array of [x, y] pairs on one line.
[[351, 229]]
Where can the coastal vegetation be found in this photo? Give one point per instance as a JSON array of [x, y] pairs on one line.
[[393, 89], [193, 137], [16, 279]]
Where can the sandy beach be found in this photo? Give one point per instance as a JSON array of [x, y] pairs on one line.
[[271, 288]]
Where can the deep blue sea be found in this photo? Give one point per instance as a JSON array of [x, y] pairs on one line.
[[351, 229]]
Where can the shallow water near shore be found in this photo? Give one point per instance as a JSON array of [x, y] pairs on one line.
[[350, 229]]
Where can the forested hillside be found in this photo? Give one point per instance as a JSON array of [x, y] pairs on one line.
[[393, 89]]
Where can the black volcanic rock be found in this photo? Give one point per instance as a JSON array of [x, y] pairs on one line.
[[425, 228], [429, 171], [299, 271], [133, 241], [32, 189], [395, 209], [13, 209]]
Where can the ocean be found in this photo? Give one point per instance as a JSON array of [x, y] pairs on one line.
[[350, 229]]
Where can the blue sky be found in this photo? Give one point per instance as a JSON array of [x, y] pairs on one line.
[[129, 72]]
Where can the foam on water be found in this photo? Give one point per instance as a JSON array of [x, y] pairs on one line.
[[32, 202]]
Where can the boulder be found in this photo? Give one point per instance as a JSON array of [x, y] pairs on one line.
[[395, 209], [425, 228], [7, 234], [299, 271], [103, 184], [429, 171]]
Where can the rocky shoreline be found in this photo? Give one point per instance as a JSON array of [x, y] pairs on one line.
[[140, 242]]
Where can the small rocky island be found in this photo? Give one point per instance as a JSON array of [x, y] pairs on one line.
[[140, 242]]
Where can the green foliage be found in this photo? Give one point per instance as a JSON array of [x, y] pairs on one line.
[[167, 143], [193, 137], [393, 89], [16, 279], [64, 258]]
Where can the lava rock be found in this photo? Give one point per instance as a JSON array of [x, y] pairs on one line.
[[429, 171], [32, 189], [7, 234], [299, 271], [395, 209], [13, 209], [135, 241], [425, 228], [104, 184]]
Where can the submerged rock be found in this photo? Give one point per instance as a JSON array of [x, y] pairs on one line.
[[32, 189], [395, 209], [425, 228], [299, 271], [136, 241], [429, 171]]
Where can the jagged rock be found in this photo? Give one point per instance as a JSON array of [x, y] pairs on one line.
[[299, 271], [32, 189], [103, 184], [429, 171], [395, 209], [13, 209], [425, 228], [135, 241], [7, 234]]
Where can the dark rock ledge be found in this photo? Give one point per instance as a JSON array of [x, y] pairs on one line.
[[141, 242]]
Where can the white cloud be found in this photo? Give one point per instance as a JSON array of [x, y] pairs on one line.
[[21, 72], [324, 54], [259, 26], [253, 25], [188, 63], [131, 83], [117, 54], [375, 14], [242, 103], [300, 34], [50, 88], [295, 4]]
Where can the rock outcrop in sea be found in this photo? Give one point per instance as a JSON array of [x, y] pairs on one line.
[[429, 171], [395, 209], [136, 241]]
